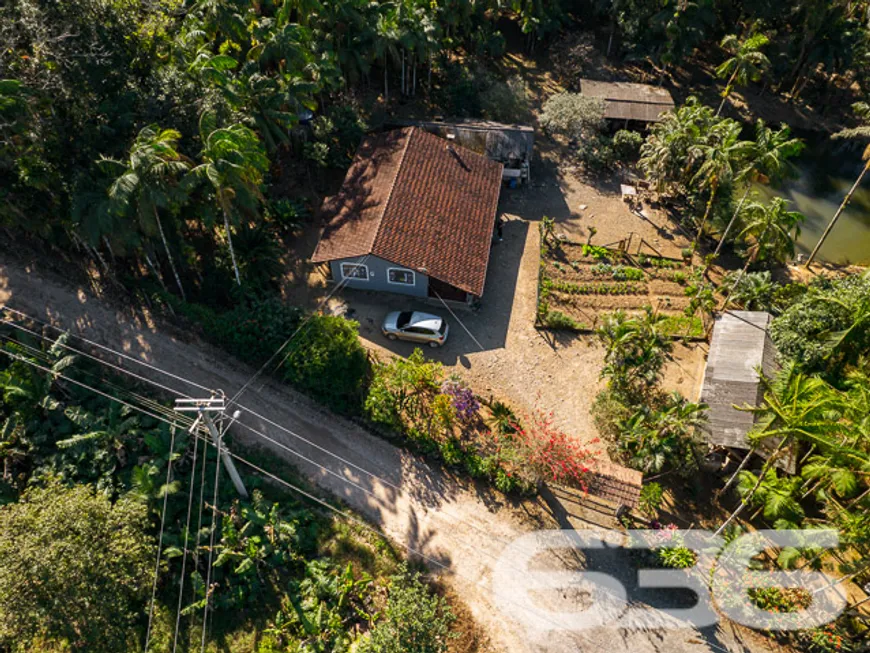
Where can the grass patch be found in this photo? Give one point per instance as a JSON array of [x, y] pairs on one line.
[[682, 326]]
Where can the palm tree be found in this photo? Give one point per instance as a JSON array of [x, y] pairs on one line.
[[754, 291], [723, 153], [768, 159], [862, 110], [233, 163], [795, 407], [772, 228], [147, 182], [747, 63], [670, 153], [635, 351]]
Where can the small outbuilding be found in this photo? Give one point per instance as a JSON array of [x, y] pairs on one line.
[[740, 347], [415, 215], [628, 102], [510, 145]]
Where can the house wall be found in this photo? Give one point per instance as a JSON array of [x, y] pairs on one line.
[[378, 279]]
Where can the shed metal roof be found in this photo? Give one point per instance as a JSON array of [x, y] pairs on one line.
[[628, 100], [740, 346]]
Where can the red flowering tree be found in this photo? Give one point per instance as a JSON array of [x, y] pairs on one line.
[[550, 453]]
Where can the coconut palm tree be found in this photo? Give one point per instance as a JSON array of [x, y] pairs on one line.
[[233, 164], [768, 160], [723, 154], [862, 110], [147, 183], [772, 230], [671, 152], [746, 64], [754, 292]]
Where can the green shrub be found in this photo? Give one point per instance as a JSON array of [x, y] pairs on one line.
[[627, 144], [676, 557], [558, 320], [506, 101], [473, 465], [327, 361], [597, 252], [651, 496], [288, 214], [451, 452], [414, 621], [573, 116]]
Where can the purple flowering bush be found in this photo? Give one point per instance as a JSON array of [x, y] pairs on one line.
[[464, 402]]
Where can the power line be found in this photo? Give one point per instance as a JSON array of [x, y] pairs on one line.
[[461, 323], [214, 511], [92, 357], [160, 538], [110, 350], [295, 488], [186, 536], [338, 287]]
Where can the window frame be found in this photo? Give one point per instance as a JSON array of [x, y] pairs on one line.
[[402, 283], [356, 266]]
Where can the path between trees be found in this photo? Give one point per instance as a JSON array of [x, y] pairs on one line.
[[421, 507]]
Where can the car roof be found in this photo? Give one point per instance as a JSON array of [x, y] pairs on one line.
[[425, 320]]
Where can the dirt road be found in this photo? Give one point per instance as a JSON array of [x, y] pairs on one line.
[[462, 528]]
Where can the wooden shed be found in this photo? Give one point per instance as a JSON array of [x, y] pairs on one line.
[[629, 102], [741, 345]]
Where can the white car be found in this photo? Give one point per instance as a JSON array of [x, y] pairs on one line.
[[415, 326]]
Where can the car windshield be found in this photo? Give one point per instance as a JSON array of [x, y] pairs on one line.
[[403, 319], [442, 328]]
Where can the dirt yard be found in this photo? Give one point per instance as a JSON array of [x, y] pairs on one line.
[[497, 348]]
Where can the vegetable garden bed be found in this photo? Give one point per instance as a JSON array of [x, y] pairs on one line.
[[579, 284]]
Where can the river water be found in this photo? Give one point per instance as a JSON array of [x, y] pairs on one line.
[[825, 172]]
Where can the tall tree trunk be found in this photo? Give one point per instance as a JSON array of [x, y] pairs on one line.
[[713, 188], [232, 251], [739, 469], [732, 220], [155, 272], [839, 212], [726, 92], [404, 92], [169, 254], [745, 500], [414, 85]]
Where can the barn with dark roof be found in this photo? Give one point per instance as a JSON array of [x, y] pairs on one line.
[[415, 215]]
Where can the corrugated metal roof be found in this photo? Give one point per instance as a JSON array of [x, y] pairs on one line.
[[740, 346], [629, 101]]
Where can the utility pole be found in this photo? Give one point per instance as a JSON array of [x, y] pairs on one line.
[[205, 408]]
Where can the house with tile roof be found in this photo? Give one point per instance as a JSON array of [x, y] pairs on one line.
[[415, 215]]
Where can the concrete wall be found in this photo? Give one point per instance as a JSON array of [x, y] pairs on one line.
[[378, 277]]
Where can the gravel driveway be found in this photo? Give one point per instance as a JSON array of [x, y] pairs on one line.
[[501, 353]]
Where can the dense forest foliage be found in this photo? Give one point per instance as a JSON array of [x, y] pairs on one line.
[[155, 139], [173, 146], [90, 485]]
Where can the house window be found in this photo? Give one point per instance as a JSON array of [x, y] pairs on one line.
[[400, 276], [355, 271]]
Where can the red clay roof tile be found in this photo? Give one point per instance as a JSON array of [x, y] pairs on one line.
[[419, 201]]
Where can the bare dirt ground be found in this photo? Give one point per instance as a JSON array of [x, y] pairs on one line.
[[461, 529]]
